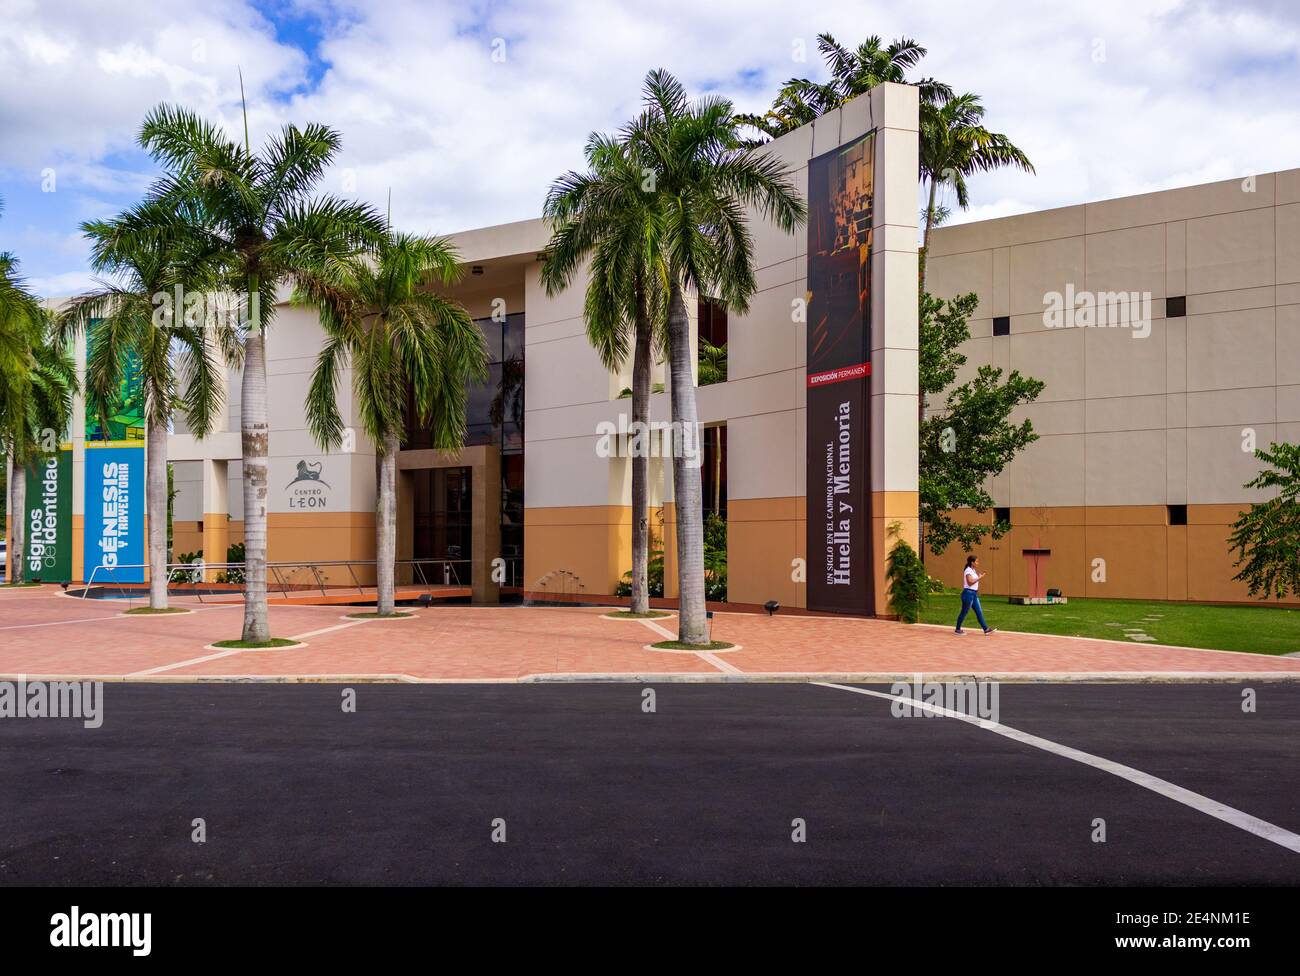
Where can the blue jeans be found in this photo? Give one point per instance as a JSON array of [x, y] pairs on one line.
[[970, 600]]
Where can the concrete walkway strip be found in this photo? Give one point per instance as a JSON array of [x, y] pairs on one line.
[[1203, 804], [182, 664], [112, 616], [326, 630], [706, 656]]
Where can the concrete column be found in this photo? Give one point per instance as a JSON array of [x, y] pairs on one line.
[[485, 492], [894, 324], [405, 575], [216, 510]]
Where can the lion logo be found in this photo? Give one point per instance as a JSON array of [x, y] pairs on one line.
[[307, 472]]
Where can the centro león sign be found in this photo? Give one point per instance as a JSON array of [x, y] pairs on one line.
[[308, 489]]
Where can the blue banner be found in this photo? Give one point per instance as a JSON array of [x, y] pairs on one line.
[[114, 513]]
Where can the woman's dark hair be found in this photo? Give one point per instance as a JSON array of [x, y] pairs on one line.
[[969, 560]]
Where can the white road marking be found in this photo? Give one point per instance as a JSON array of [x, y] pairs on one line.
[[1203, 804]]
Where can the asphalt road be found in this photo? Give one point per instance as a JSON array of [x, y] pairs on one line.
[[591, 789]]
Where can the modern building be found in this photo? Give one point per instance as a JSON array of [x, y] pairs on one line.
[[1148, 422], [808, 448]]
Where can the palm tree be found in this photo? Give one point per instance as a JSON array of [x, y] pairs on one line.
[[34, 415], [853, 73], [605, 217], [180, 353], [19, 310], [702, 183], [954, 145], [17, 306], [378, 313], [256, 213]]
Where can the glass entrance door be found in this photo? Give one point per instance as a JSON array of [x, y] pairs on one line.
[[444, 524]]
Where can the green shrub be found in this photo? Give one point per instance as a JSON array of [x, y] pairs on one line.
[[234, 554], [909, 584], [654, 576], [715, 565]]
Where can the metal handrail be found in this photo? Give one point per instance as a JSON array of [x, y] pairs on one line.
[[313, 565]]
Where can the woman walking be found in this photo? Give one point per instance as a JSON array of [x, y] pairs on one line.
[[970, 595]]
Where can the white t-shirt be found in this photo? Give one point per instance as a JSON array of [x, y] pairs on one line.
[[971, 578]]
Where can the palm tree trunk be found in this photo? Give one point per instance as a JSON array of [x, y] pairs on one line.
[[920, 395], [156, 506], [386, 526], [692, 619], [254, 429], [641, 460], [18, 520], [9, 507], [929, 222]]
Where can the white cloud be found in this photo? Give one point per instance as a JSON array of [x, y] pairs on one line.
[[1108, 98], [64, 284]]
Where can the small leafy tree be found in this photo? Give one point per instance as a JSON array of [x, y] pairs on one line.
[[909, 586], [969, 438], [1267, 537]]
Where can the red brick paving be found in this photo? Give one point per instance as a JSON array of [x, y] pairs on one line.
[[45, 633]]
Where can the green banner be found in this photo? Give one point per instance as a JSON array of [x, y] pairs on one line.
[[125, 421], [49, 518]]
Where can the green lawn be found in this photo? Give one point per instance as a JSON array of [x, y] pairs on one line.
[[1260, 630]]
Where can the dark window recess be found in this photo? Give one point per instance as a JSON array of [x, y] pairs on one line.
[[1177, 514], [713, 474], [711, 318], [1176, 308], [1001, 325], [1002, 515], [494, 410]]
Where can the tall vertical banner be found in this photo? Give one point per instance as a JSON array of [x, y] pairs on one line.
[[49, 518], [114, 546], [115, 513], [840, 574]]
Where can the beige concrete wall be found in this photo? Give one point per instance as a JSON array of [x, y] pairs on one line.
[[1143, 557], [1130, 422]]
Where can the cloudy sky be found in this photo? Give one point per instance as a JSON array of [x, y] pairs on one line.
[[1107, 98]]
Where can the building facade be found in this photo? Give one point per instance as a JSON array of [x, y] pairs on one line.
[[541, 492], [1166, 327]]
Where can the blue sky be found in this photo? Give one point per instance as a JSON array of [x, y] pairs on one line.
[[1108, 98]]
